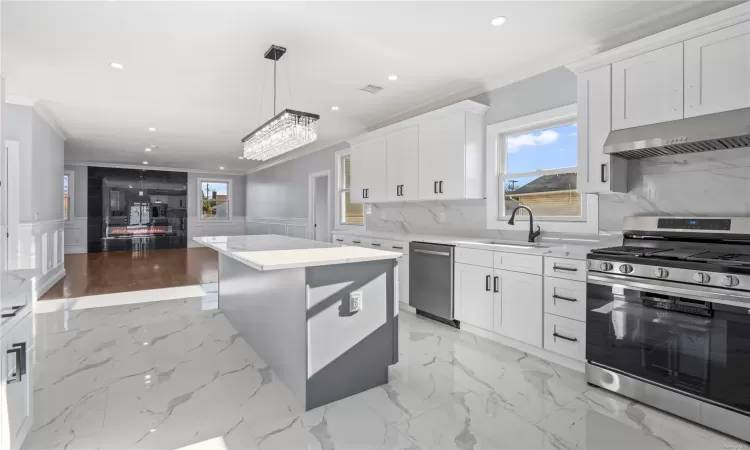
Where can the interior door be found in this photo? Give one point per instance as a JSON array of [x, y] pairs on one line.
[[403, 164], [442, 157]]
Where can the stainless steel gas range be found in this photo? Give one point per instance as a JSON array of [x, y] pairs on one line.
[[668, 318]]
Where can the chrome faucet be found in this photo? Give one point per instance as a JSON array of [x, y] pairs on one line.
[[532, 234]]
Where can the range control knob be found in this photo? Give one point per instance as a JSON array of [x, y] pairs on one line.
[[605, 266], [626, 268], [730, 281], [701, 277], [661, 273]]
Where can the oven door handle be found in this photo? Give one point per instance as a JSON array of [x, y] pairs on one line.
[[701, 293]]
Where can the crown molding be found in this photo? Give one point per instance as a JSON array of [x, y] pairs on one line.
[[144, 167], [722, 19], [51, 120]]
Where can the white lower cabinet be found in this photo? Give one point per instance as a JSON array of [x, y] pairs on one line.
[[565, 298], [16, 367], [474, 299], [565, 336], [518, 306]]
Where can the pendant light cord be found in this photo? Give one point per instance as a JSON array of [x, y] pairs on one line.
[[275, 60]]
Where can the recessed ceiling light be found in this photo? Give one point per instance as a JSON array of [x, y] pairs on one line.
[[499, 20], [334, 108], [393, 77], [152, 129], [145, 163], [116, 65], [221, 168], [148, 149]]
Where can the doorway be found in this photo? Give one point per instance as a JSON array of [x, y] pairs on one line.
[[319, 209]]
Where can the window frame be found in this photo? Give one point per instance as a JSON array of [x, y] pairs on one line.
[[199, 200], [71, 191], [496, 155], [339, 224]]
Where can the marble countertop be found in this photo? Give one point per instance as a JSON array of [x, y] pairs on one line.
[[274, 252], [556, 247]]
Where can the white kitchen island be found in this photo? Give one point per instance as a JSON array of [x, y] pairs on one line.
[[290, 299]]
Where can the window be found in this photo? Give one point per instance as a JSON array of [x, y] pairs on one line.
[[540, 171], [215, 199], [535, 163], [67, 195], [348, 213]]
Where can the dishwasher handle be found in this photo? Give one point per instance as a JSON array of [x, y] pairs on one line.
[[431, 252]]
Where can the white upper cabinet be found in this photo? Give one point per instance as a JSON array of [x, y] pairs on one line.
[[368, 168], [597, 171], [717, 71], [648, 88], [436, 156], [402, 164]]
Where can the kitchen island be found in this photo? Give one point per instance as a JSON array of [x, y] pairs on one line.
[[290, 299]]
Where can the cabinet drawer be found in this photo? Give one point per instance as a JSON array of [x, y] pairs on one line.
[[566, 298], [570, 269], [397, 246], [338, 239], [565, 336], [474, 257], [517, 262]]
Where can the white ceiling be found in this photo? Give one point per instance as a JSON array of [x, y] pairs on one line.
[[195, 70]]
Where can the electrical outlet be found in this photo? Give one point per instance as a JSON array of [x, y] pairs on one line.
[[355, 302]]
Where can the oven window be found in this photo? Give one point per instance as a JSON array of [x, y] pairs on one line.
[[698, 348]]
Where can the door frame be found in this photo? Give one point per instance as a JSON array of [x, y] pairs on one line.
[[311, 202]]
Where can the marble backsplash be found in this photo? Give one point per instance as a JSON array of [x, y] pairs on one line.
[[703, 184]]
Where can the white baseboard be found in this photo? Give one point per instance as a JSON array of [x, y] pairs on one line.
[[42, 283]]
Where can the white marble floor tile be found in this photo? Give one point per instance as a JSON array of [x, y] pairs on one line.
[[170, 374]]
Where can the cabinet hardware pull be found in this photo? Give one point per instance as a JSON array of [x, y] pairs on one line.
[[566, 269], [441, 187], [14, 311], [357, 242], [565, 337], [604, 166], [496, 283], [375, 245], [398, 190], [431, 252], [16, 376], [434, 187], [22, 346], [402, 190], [487, 284], [567, 299], [398, 247], [339, 240]]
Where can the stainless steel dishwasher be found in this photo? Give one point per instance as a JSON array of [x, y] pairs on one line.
[[431, 281]]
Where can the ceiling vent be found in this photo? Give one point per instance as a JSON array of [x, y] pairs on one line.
[[372, 89]]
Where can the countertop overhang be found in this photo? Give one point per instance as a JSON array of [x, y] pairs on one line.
[[275, 252]]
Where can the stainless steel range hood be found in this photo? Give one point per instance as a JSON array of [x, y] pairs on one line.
[[720, 131]]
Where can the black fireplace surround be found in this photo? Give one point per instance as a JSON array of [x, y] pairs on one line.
[[134, 210]]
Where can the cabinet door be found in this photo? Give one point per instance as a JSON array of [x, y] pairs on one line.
[[403, 164], [520, 301], [442, 143], [473, 291], [647, 88], [597, 171], [717, 71], [368, 167], [19, 394]]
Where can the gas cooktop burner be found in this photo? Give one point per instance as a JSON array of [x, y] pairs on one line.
[[733, 258], [629, 250]]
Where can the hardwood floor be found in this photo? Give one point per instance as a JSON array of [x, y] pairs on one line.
[[112, 272]]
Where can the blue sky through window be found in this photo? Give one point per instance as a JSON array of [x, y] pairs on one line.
[[220, 188], [550, 148]]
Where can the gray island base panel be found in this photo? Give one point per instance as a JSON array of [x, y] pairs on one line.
[[298, 321]]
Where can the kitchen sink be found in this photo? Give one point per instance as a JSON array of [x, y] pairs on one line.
[[518, 245]]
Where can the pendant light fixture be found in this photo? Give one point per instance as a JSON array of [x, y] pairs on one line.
[[286, 131]]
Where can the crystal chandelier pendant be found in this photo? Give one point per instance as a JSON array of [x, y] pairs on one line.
[[286, 131]]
